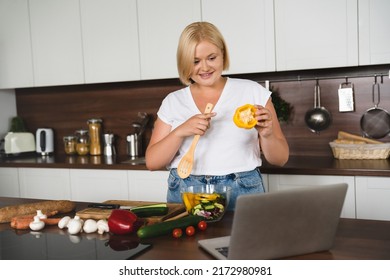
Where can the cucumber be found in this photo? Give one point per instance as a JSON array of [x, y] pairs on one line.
[[151, 205], [209, 207], [167, 227], [150, 210]]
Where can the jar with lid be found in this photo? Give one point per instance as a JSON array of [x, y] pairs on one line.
[[70, 144], [95, 127], [82, 145]]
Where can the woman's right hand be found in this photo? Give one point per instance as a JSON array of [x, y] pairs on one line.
[[196, 125], [164, 143]]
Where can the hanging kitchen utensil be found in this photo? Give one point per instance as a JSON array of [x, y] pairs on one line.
[[185, 165], [318, 118], [375, 122], [345, 93]]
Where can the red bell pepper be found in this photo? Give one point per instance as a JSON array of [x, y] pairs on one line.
[[123, 222]]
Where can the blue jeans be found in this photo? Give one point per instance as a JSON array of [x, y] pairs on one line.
[[241, 183]]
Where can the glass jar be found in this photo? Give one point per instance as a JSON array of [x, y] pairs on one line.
[[70, 144], [95, 127], [82, 145]]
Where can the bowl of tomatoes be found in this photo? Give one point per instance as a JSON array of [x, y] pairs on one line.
[[208, 201]]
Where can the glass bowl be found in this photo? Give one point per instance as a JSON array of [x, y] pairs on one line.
[[208, 201]]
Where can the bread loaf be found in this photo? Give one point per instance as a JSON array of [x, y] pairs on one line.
[[342, 135], [346, 141], [62, 206]]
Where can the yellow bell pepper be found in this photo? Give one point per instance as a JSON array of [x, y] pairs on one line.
[[244, 117], [188, 200]]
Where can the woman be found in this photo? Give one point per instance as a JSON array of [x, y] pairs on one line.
[[225, 154]]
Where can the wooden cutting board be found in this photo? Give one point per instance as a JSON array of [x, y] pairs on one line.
[[174, 209]]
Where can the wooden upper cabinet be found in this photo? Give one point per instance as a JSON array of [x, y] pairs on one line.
[[374, 25], [248, 28], [110, 40], [16, 68], [316, 34], [56, 42], [160, 25]]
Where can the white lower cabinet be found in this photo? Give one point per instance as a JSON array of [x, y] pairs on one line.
[[98, 185], [372, 198], [147, 185], [44, 183], [9, 182], [284, 182], [367, 197]]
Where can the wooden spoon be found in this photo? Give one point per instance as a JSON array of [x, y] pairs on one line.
[[185, 165]]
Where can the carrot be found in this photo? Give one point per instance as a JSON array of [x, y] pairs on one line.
[[51, 221], [23, 222]]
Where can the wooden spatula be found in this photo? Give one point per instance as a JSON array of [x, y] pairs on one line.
[[185, 165]]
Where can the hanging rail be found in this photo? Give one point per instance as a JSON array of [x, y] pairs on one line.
[[346, 77]]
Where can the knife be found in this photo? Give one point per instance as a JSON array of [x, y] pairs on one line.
[[108, 206]]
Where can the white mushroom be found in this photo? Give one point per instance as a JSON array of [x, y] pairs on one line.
[[63, 223], [75, 225], [102, 226], [37, 224], [90, 226], [41, 215]]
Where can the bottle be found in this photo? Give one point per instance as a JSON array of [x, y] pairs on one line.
[[95, 127], [70, 144], [82, 146]]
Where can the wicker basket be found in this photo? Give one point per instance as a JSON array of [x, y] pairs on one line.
[[360, 151]]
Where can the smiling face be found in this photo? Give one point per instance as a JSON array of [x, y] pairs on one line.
[[208, 64], [198, 42]]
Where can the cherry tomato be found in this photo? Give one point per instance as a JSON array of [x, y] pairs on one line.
[[177, 233], [202, 225], [190, 231]]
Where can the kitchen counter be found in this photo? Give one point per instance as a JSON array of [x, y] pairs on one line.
[[355, 239], [295, 165]]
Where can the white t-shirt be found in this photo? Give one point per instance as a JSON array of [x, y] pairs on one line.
[[225, 148]]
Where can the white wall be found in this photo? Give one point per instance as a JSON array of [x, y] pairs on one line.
[[7, 109]]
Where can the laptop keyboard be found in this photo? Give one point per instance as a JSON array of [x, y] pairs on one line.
[[223, 250]]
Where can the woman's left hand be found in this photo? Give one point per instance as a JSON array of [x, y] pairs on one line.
[[264, 121]]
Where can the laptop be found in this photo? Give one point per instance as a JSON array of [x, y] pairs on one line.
[[281, 224]]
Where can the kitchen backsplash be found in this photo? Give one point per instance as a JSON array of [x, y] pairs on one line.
[[67, 108]]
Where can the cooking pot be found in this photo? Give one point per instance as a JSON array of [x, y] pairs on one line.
[[318, 118], [44, 141]]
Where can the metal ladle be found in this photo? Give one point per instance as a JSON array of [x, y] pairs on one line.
[[318, 118]]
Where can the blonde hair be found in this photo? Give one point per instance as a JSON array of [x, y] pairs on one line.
[[191, 36]]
